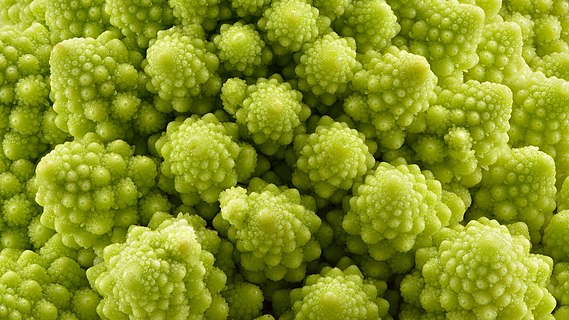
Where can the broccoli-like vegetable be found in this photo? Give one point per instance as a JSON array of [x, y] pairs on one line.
[[164, 272], [331, 160], [270, 111], [338, 294], [241, 50], [202, 157], [182, 69], [67, 20], [390, 92], [245, 300], [90, 190], [397, 209], [555, 237], [519, 186], [480, 271], [273, 229]]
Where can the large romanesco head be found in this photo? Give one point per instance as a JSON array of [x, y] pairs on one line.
[[163, 273], [480, 271]]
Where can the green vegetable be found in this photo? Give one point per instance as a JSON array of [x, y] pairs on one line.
[[284, 159]]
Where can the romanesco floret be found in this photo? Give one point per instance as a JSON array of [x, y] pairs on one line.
[[270, 111], [396, 210], [183, 69], [392, 89], [17, 205], [445, 32], [241, 50], [245, 300], [34, 288], [337, 294], [499, 53], [555, 64], [273, 230], [371, 23], [480, 271], [331, 160], [69, 19], [90, 190], [519, 186], [559, 283], [331, 8], [195, 11], [289, 24], [465, 131], [139, 21], [326, 66], [555, 237], [162, 273], [540, 117], [202, 157], [95, 87]]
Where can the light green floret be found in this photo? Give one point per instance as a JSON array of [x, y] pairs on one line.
[[480, 271], [396, 210], [32, 287], [499, 53], [245, 300], [555, 64], [559, 284], [95, 87], [556, 237], [371, 23], [540, 117], [289, 24], [69, 19], [89, 190], [338, 294], [331, 8], [162, 273], [270, 111], [17, 205], [248, 8], [194, 11], [327, 66], [183, 69], [390, 92], [331, 160], [273, 229], [445, 32], [519, 186], [139, 21], [465, 131], [203, 158], [241, 49], [20, 12]]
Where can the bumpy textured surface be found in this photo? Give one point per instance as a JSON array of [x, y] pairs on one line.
[[559, 284], [245, 300], [32, 287], [90, 190], [273, 230], [270, 111], [159, 273], [194, 11], [241, 50], [464, 131], [182, 68], [96, 88], [289, 24], [17, 205], [391, 90], [69, 19], [202, 157], [519, 186], [139, 21], [327, 65], [539, 117], [371, 23], [555, 237], [480, 271], [330, 160], [445, 32], [396, 209], [337, 294]]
